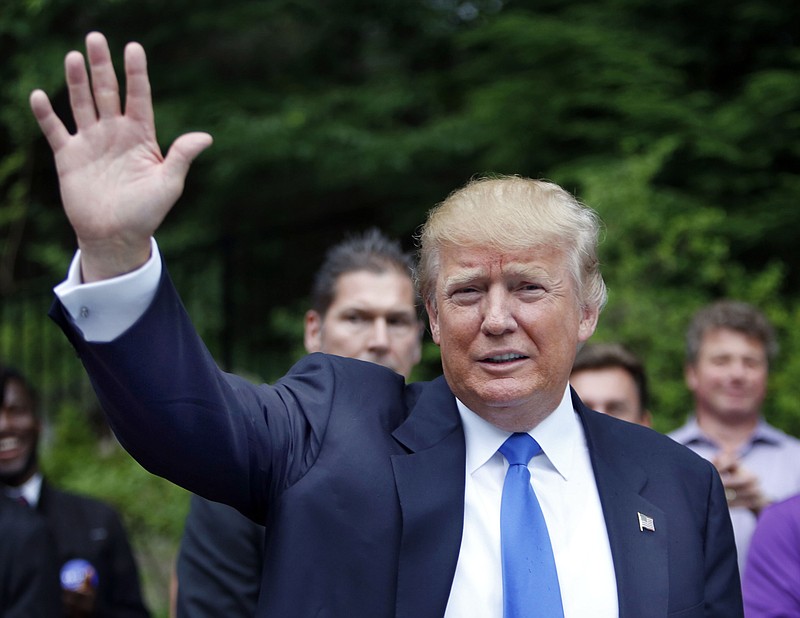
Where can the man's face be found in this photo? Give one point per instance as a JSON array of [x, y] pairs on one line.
[[508, 324], [729, 377], [372, 318], [19, 434], [612, 391]]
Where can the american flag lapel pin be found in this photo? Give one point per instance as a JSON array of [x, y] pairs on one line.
[[646, 523]]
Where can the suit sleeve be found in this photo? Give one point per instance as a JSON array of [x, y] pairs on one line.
[[184, 419], [723, 595], [219, 563]]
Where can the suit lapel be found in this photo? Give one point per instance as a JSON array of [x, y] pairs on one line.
[[640, 555], [430, 485]]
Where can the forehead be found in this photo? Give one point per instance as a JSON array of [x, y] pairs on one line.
[[603, 382], [365, 289], [459, 262], [15, 392], [729, 341]]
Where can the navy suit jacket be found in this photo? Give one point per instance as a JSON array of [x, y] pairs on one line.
[[359, 478]]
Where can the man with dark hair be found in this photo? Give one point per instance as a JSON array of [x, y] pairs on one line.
[[382, 498], [83, 529], [611, 379], [729, 348], [363, 306]]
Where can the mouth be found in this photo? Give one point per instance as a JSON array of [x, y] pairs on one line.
[[500, 359], [9, 447]]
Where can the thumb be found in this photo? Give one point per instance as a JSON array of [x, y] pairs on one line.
[[183, 151]]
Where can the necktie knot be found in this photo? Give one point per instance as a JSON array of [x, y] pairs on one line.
[[519, 449]]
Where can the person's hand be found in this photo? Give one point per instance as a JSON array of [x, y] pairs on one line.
[[79, 603], [79, 599], [742, 487], [116, 186]]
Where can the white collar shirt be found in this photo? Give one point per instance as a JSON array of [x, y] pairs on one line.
[[30, 490], [564, 482]]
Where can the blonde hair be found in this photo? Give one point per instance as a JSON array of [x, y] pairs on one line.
[[514, 213]]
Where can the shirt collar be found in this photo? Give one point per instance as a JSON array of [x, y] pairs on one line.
[[30, 490], [691, 433], [558, 435]]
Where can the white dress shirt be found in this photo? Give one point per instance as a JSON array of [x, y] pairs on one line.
[[562, 476], [103, 310], [563, 479]]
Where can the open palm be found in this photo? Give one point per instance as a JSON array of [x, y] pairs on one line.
[[116, 186]]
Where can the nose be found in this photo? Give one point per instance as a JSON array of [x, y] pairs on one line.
[[737, 370], [379, 336], [498, 318]]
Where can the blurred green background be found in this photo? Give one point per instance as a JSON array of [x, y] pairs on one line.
[[679, 121]]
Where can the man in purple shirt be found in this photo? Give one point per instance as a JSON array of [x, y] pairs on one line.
[[729, 347], [771, 582]]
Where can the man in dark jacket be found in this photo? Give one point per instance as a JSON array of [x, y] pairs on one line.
[[94, 555]]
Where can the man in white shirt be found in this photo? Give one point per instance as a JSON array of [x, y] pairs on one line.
[[381, 498]]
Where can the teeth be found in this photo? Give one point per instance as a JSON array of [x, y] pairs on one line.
[[504, 358], [6, 444]]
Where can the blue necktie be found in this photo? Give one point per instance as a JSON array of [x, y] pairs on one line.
[[530, 580]]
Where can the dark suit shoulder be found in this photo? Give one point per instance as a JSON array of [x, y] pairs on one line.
[[322, 379], [58, 501]]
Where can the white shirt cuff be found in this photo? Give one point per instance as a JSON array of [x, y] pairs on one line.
[[103, 310]]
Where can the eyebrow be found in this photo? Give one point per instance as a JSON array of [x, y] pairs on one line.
[[523, 271]]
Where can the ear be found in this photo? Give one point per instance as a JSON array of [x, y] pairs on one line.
[[588, 324], [433, 320], [690, 375], [420, 335], [312, 331]]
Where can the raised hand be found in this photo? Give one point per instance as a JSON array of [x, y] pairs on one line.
[[742, 487], [116, 187]]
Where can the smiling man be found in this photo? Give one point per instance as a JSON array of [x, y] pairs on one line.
[[491, 491], [82, 528], [729, 347]]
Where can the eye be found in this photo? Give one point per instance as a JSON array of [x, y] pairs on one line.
[[465, 295], [528, 290], [400, 321], [354, 318]]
